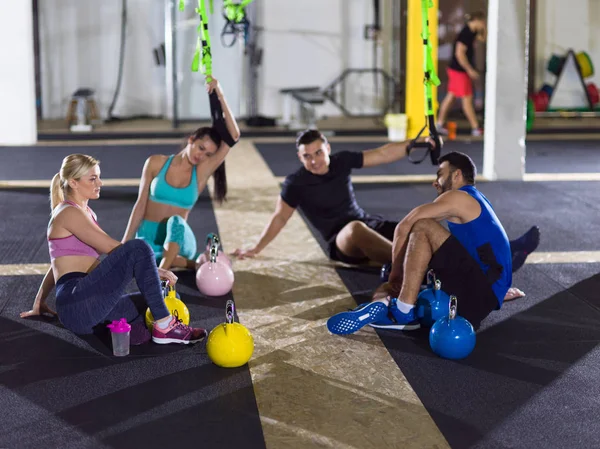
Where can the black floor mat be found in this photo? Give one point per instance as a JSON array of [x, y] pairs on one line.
[[62, 390], [541, 157], [533, 372], [531, 380]]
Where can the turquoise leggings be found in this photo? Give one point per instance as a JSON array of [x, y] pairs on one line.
[[175, 230]]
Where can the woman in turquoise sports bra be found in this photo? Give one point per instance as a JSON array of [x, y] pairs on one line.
[[171, 185]]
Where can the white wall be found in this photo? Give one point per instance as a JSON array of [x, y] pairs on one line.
[[562, 24], [80, 41], [310, 43], [79, 45], [17, 78], [227, 63]]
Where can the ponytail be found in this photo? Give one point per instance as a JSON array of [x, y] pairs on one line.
[[219, 176], [74, 166], [57, 194], [220, 183]]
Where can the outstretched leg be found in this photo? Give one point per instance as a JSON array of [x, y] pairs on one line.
[[522, 247], [90, 299], [357, 241]]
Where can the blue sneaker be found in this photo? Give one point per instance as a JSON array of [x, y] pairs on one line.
[[349, 322], [397, 320], [384, 321]]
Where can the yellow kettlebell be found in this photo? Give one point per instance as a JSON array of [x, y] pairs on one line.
[[175, 305], [230, 344]]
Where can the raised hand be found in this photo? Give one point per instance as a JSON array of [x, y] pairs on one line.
[[214, 84]]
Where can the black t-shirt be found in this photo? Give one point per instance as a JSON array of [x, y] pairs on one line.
[[328, 200], [467, 37]]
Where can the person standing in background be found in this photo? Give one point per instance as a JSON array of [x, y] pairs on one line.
[[461, 72]]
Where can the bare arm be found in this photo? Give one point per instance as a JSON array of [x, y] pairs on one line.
[[139, 208], [385, 154], [461, 57], [451, 204], [390, 152], [39, 304], [81, 226], [280, 217], [230, 120], [232, 128]]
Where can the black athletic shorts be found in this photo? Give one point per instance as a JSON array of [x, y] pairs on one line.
[[462, 276], [383, 227]]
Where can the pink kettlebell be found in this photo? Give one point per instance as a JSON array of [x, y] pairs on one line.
[[214, 278], [205, 256]]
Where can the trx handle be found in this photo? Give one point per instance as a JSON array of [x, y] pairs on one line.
[[430, 79]]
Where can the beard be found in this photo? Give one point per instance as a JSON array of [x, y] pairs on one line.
[[447, 185]]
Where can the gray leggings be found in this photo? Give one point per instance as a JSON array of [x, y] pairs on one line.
[[85, 300]]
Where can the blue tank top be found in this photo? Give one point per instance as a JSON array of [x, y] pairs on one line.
[[162, 192], [487, 242]]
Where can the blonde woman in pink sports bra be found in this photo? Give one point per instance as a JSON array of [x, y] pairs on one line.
[[91, 291]]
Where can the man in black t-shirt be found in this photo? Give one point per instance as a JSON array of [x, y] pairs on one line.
[[322, 189], [461, 71]]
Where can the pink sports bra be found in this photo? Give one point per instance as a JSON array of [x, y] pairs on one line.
[[71, 245]]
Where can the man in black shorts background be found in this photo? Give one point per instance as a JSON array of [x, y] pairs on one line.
[[323, 189], [472, 258]]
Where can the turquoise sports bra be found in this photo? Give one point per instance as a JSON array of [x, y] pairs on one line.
[[162, 192]]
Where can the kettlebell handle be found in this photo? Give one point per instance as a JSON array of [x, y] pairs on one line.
[[230, 311], [432, 280], [214, 251], [212, 238], [453, 307], [166, 287]]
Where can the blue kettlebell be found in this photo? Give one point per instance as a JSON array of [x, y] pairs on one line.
[[433, 302], [452, 337]]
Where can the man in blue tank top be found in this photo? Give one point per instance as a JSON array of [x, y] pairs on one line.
[[472, 259]]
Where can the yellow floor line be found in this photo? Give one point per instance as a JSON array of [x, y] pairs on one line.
[[312, 388], [45, 183], [539, 258], [25, 269], [357, 179], [536, 177]]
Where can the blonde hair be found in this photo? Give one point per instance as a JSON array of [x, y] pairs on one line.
[[74, 166]]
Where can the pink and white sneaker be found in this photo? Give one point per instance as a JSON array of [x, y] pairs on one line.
[[177, 332]]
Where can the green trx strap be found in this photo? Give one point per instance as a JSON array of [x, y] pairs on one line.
[[202, 57], [235, 12], [430, 79]]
